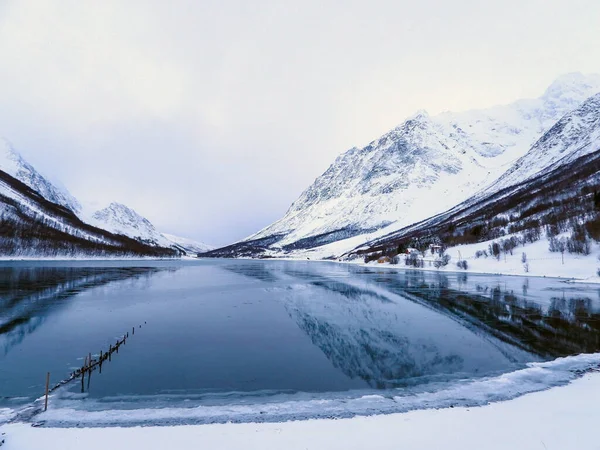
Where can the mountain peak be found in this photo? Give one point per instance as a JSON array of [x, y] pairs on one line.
[[419, 115], [121, 219], [573, 84], [15, 165], [10, 159], [122, 214]]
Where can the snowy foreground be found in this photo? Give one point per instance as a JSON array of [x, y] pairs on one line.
[[559, 418]]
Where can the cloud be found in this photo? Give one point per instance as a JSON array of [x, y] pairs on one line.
[[211, 117]]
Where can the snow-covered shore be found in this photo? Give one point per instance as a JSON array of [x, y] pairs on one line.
[[539, 262], [559, 418], [89, 258]]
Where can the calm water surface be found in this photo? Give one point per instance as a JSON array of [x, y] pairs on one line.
[[214, 331]]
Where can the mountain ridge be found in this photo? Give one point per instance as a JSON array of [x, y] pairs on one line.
[[418, 169]]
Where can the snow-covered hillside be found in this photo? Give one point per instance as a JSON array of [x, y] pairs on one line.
[[116, 218], [421, 168], [33, 227], [13, 164], [189, 245], [547, 205], [573, 136], [120, 219]]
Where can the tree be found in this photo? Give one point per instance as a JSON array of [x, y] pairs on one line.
[[442, 261], [558, 245], [494, 248]]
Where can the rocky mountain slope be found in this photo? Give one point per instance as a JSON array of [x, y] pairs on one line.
[[32, 226], [188, 245], [419, 169], [554, 188], [120, 219], [12, 163], [116, 218]]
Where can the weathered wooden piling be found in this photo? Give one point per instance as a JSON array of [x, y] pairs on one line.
[[47, 387], [83, 374]]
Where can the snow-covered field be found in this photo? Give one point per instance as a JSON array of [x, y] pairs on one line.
[[560, 418]]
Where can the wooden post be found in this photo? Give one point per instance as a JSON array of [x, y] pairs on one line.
[[110, 350], [89, 377], [100, 368], [132, 330], [83, 375], [47, 387], [90, 359]]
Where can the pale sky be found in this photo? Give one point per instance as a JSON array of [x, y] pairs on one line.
[[211, 117]]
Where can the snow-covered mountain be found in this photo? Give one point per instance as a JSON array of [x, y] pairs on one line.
[[33, 226], [13, 164], [554, 184], [574, 135], [38, 204], [189, 245], [121, 219], [421, 168]]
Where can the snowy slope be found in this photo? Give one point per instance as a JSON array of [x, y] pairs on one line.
[[188, 245], [33, 226], [421, 168], [575, 135], [116, 218], [120, 219], [547, 185], [13, 164]]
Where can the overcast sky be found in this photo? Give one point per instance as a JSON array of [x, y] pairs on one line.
[[211, 117]]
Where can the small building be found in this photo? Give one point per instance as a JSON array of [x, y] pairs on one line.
[[384, 259], [435, 248]]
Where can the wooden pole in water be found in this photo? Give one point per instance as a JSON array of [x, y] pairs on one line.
[[47, 387], [109, 351], [83, 374], [89, 375], [132, 330]]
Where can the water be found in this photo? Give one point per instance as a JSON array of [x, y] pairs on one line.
[[230, 337]]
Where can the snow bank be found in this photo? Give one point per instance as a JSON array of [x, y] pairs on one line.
[[559, 418]]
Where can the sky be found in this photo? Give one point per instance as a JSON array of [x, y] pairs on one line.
[[211, 117]]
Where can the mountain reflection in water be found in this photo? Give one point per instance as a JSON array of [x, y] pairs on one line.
[[393, 328]]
